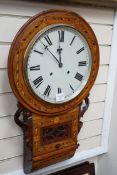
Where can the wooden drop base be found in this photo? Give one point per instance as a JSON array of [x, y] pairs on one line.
[[49, 139]]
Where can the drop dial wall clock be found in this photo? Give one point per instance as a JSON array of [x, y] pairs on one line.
[[53, 63]]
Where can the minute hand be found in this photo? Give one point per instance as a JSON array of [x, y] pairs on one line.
[[53, 55], [46, 48]]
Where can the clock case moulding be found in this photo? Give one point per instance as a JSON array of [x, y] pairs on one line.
[[37, 117]]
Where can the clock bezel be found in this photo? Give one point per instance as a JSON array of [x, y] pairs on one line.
[[27, 53], [18, 49]]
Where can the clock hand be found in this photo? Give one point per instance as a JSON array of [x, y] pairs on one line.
[[44, 45], [53, 55], [46, 48], [59, 52]]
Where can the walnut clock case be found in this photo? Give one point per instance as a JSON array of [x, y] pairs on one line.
[[53, 63]]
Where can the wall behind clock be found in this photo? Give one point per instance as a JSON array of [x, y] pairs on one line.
[[13, 14]]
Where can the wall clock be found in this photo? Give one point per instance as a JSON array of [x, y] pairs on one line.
[[53, 63]]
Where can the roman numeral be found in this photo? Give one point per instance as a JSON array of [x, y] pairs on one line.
[[82, 63], [35, 68], [59, 90], [72, 40], [71, 87], [47, 90], [38, 81], [48, 40], [80, 50], [78, 76], [38, 52], [61, 36]]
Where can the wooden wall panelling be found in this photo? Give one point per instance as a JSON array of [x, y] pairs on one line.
[[4, 50], [5, 86], [99, 3], [10, 129], [12, 16], [14, 24], [95, 111], [15, 163], [88, 130], [11, 164], [16, 144], [105, 54], [11, 23], [89, 143], [103, 30], [94, 15], [102, 75], [98, 93], [6, 107], [12, 146]]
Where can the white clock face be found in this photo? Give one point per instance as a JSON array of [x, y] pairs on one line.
[[58, 64]]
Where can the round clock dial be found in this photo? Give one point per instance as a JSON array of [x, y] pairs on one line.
[[58, 64]]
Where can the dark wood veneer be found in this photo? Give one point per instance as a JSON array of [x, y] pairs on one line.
[[81, 169]]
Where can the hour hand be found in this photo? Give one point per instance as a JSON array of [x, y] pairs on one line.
[[59, 50]]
